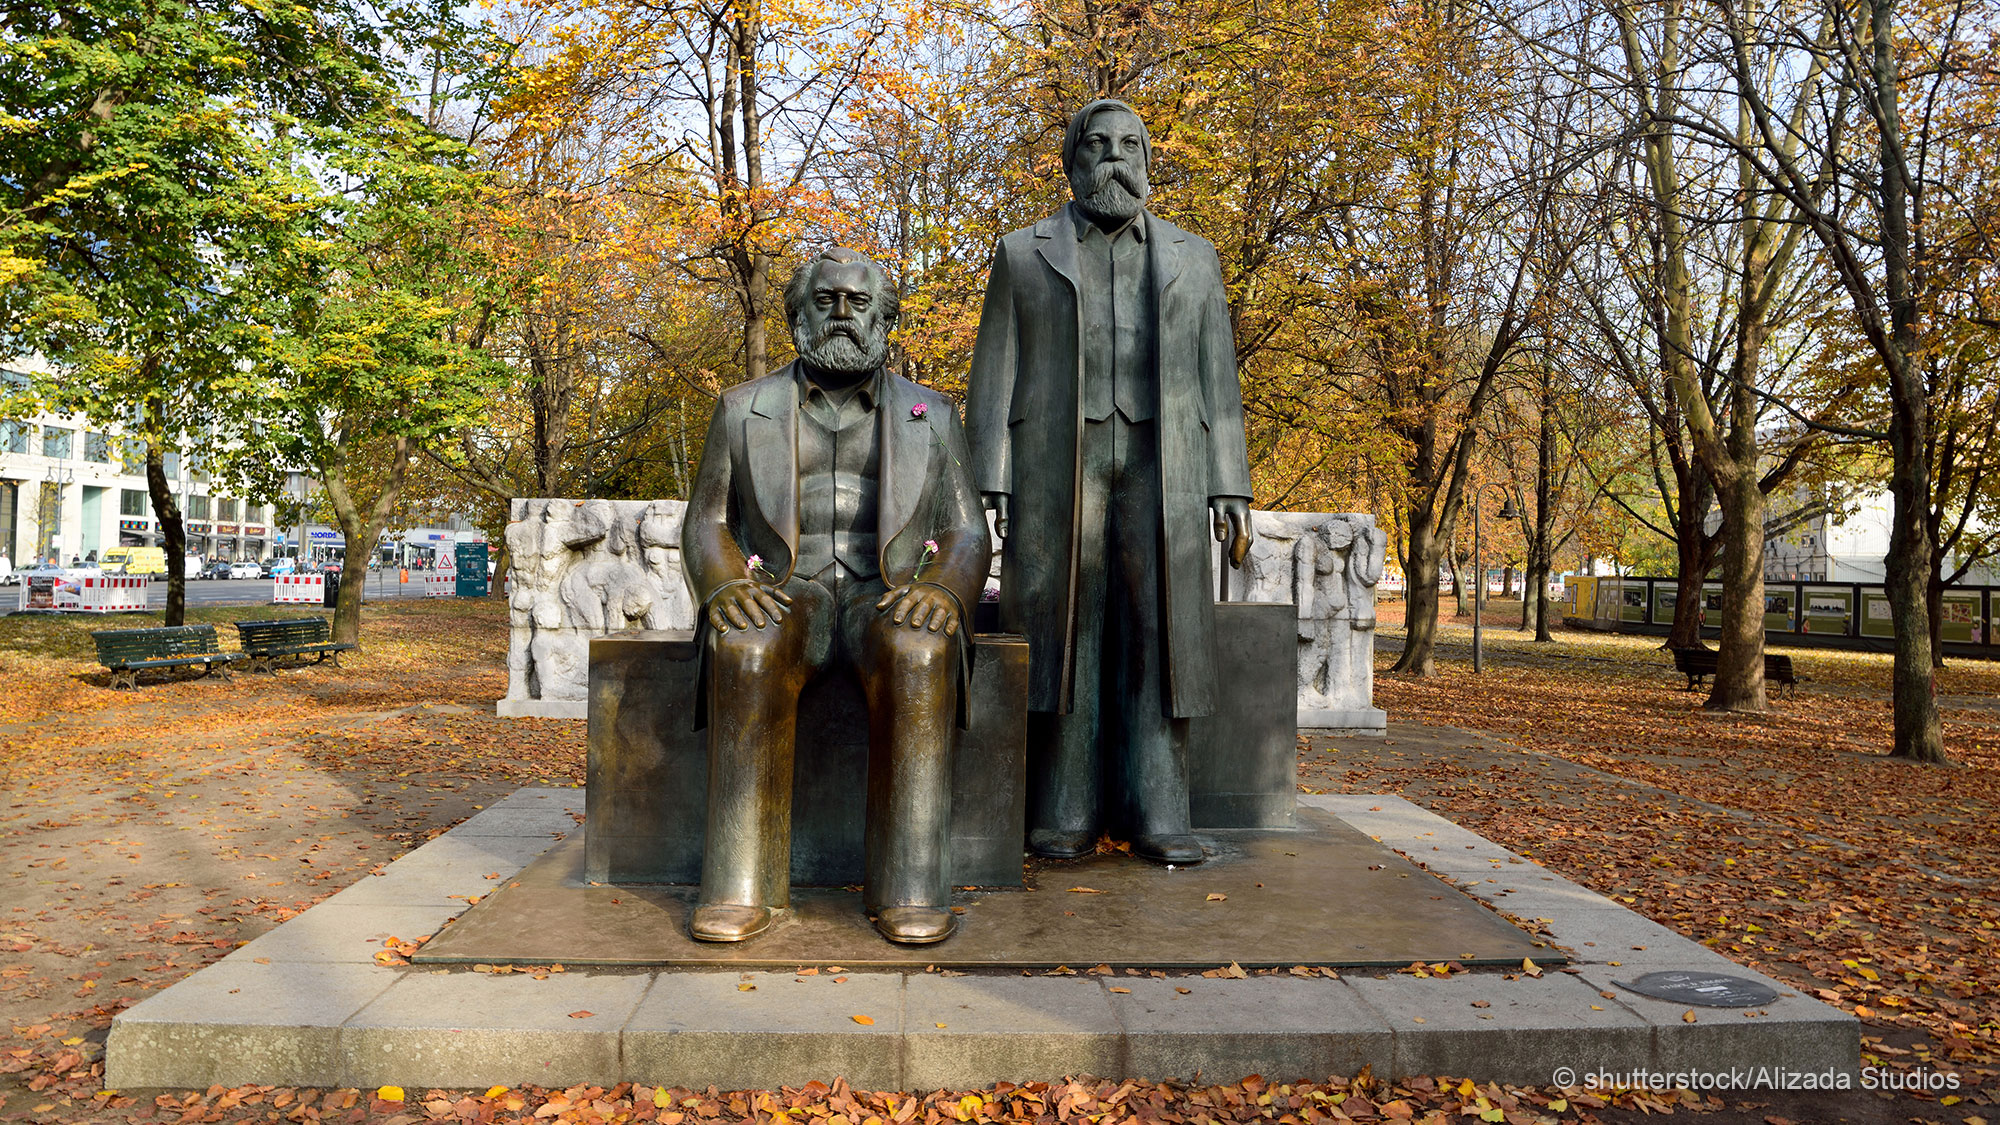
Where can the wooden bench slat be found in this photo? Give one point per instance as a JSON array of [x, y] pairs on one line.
[[266, 641], [126, 652]]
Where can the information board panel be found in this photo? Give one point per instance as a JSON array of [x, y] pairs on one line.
[[471, 560]]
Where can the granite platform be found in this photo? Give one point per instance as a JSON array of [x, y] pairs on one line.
[[308, 1005], [1321, 893]]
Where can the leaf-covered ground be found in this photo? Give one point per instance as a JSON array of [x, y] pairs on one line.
[[143, 834]]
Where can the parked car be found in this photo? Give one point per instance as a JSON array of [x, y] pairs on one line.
[[245, 568], [217, 569], [274, 567]]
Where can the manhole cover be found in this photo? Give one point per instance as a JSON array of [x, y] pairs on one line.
[[1711, 990]]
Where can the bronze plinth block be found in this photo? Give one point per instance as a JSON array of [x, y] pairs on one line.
[[648, 768]]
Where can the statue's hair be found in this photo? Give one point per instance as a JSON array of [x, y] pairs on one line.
[[799, 290], [1078, 121]]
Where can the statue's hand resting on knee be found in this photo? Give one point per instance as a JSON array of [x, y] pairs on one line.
[[747, 605], [921, 605]]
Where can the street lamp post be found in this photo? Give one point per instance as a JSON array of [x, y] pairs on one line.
[[1507, 512]]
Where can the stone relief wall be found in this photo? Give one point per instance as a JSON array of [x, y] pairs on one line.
[[581, 569], [590, 568], [1327, 565]]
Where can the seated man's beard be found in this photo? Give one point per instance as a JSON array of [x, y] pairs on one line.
[[837, 352], [1110, 191]]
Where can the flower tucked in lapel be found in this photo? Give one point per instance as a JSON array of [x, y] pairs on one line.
[[754, 565], [919, 410]]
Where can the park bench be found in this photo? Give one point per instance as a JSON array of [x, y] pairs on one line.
[[127, 652], [1698, 664], [267, 642]]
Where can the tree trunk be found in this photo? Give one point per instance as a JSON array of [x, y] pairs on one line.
[[1934, 599], [1918, 735], [1913, 690], [172, 530], [1695, 551], [757, 261], [1739, 669], [1420, 615], [359, 531]]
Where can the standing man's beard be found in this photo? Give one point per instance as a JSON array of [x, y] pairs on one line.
[[1110, 191], [838, 353]]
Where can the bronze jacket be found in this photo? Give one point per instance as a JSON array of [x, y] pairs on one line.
[[1025, 418], [745, 499]]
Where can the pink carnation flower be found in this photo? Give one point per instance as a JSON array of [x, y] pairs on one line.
[[919, 410]]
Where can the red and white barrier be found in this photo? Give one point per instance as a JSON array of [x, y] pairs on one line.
[[112, 593], [440, 583], [87, 593], [298, 589]]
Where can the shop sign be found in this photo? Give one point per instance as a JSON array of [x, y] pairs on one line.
[[135, 525], [225, 529], [253, 529]]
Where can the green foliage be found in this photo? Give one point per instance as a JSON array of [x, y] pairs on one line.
[[377, 305]]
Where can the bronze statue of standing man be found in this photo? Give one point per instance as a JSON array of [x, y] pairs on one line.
[[1106, 427]]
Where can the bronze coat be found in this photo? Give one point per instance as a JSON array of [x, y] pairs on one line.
[[1025, 417], [745, 499]]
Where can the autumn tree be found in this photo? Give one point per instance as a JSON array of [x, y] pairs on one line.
[[1910, 84], [139, 184], [380, 307]]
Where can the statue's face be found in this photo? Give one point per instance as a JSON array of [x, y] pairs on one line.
[[842, 328], [1108, 173]]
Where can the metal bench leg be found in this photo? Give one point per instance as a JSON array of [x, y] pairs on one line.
[[263, 664], [124, 679]]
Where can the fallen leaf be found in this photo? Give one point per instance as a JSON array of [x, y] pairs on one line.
[[580, 1014], [864, 1021]]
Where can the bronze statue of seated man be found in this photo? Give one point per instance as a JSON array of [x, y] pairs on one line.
[[833, 521]]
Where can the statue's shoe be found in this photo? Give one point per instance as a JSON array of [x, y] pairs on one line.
[[1179, 849], [721, 921], [1055, 843], [915, 925]]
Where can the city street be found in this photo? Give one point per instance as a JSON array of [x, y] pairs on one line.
[[257, 591], [246, 591]]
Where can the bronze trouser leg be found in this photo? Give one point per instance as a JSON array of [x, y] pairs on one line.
[[911, 681], [753, 694], [1117, 755], [1064, 771], [1145, 751]]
